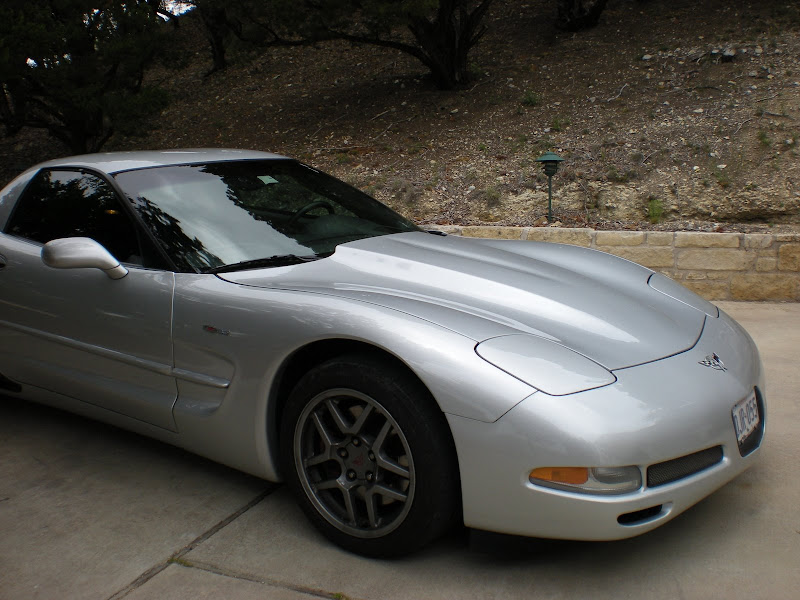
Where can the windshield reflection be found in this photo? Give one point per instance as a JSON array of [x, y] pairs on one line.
[[217, 214]]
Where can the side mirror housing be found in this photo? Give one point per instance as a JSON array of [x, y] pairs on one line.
[[81, 253]]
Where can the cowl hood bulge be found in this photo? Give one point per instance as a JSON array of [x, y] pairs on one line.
[[593, 303]]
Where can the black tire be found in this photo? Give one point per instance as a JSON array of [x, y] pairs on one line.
[[369, 457]]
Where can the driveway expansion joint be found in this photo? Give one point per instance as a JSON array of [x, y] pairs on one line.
[[301, 589], [177, 556]]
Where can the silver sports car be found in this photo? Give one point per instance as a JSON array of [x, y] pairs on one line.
[[256, 311]]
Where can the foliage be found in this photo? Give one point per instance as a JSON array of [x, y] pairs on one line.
[[722, 178], [492, 196], [530, 99], [442, 31], [655, 210], [560, 123], [75, 67], [574, 15]]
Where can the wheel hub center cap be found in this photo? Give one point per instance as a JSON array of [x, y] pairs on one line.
[[359, 460]]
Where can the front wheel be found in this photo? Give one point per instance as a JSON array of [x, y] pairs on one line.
[[369, 456]]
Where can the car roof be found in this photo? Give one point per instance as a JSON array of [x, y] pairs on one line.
[[114, 162]]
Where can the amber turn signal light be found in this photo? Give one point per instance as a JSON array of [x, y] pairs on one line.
[[568, 475]]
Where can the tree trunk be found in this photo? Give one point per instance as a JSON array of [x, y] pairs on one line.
[[75, 137], [12, 108], [574, 15], [446, 41], [215, 24]]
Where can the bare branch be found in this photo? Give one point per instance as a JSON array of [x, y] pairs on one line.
[[618, 94], [741, 125]]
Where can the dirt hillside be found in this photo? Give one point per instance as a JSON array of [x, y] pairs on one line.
[[669, 114]]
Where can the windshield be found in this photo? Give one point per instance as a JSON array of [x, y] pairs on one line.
[[221, 214]]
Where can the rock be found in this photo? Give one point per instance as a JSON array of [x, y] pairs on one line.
[[762, 286], [619, 238], [715, 259], [789, 257]]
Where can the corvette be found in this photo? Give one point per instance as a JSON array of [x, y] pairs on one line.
[[258, 312]]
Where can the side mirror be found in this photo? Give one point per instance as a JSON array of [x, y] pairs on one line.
[[81, 253]]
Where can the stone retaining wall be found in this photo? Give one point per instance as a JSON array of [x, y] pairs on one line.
[[718, 266]]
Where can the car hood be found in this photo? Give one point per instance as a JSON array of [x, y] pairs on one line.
[[590, 302]]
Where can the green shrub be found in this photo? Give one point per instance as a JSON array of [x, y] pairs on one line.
[[655, 210]]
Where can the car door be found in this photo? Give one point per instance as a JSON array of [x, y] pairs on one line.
[[78, 332]]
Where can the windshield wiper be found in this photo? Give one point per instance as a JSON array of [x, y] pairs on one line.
[[279, 260]]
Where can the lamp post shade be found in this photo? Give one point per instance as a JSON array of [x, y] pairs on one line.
[[550, 161]]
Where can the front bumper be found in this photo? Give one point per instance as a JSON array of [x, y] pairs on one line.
[[653, 413]]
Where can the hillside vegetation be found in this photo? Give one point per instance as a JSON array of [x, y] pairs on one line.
[[669, 114]]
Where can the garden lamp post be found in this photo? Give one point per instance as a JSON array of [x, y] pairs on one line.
[[550, 162]]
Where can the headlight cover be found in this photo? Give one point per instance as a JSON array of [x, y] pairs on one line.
[[589, 480], [668, 287], [544, 364]]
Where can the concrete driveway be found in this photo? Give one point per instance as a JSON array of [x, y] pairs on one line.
[[89, 511]]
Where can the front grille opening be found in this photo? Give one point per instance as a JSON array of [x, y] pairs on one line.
[[632, 518], [678, 468]]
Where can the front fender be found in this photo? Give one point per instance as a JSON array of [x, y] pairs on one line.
[[234, 345]]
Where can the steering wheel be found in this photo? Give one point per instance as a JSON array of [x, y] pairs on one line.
[[307, 208]]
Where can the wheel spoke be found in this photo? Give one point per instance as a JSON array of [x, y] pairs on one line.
[[388, 464], [388, 492], [349, 504], [383, 460], [372, 509], [362, 418], [313, 461], [329, 484], [377, 445], [323, 432], [338, 417]]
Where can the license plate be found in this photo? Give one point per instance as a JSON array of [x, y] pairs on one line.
[[745, 417]]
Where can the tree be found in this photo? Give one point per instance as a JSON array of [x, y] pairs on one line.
[[574, 15], [75, 67], [442, 32], [216, 24]]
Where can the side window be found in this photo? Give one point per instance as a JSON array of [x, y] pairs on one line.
[[59, 204]]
